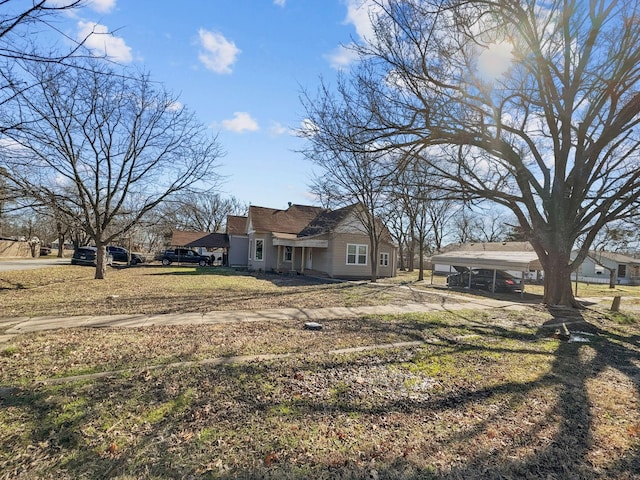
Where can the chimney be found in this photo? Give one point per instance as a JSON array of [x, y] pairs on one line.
[[289, 204]]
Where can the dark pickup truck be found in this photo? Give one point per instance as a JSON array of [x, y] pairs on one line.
[[183, 255]]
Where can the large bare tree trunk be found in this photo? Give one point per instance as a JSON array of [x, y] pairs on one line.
[[557, 280], [101, 262], [374, 260]]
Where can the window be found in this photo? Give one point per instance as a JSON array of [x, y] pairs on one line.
[[286, 255], [384, 259], [622, 270], [356, 254], [259, 248]]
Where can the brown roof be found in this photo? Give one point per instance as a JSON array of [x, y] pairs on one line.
[[292, 220], [613, 256], [236, 225], [199, 239], [325, 221]]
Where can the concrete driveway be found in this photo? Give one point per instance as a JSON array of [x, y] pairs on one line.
[[31, 263]]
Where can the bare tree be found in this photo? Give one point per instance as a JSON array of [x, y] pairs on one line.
[[398, 225], [205, 211], [17, 16], [348, 176], [466, 226], [20, 23], [421, 206], [493, 225], [103, 146], [532, 105]]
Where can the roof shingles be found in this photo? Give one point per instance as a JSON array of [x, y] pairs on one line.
[[292, 220]]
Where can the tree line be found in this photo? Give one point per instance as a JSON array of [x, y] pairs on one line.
[[96, 145], [531, 106]]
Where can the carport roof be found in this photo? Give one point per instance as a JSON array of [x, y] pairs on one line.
[[522, 261], [188, 239]]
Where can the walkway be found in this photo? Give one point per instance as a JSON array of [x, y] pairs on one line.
[[15, 326]]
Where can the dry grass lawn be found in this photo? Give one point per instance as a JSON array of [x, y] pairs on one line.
[[72, 290], [461, 395]]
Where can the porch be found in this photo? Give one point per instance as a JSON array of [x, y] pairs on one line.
[[295, 254]]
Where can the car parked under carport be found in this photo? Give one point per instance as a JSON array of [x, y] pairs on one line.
[[523, 261], [485, 279]]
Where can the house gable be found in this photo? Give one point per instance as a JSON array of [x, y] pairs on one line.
[[236, 225]]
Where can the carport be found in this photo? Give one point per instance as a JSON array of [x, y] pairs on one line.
[[523, 261]]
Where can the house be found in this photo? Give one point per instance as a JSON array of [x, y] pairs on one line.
[[19, 247], [206, 243], [599, 266], [238, 241], [307, 238]]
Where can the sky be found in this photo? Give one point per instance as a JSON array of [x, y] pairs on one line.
[[241, 66]]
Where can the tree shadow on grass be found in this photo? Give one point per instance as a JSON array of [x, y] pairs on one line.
[[252, 409]]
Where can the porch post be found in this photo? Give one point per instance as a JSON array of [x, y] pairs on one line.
[[293, 258], [302, 262], [278, 259]]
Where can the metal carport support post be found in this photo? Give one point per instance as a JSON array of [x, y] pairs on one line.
[[493, 283]]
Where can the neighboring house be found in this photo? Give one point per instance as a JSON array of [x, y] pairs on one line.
[[306, 238], [205, 243], [238, 241], [599, 265], [12, 247]]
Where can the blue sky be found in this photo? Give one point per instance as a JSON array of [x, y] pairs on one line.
[[241, 66]]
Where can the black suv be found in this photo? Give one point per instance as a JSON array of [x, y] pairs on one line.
[[87, 256], [120, 254], [183, 255], [482, 279]]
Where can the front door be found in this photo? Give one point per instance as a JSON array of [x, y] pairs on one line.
[[308, 263]]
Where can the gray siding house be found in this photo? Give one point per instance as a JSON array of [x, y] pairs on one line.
[[312, 239], [238, 241], [599, 266]]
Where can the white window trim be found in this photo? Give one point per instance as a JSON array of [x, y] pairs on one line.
[[284, 254], [358, 254], [384, 259], [255, 253]]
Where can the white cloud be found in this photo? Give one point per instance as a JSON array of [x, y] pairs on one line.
[[175, 106], [307, 129], [101, 42], [241, 122], [278, 129], [218, 53], [342, 57], [102, 6], [280, 3], [359, 14]]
